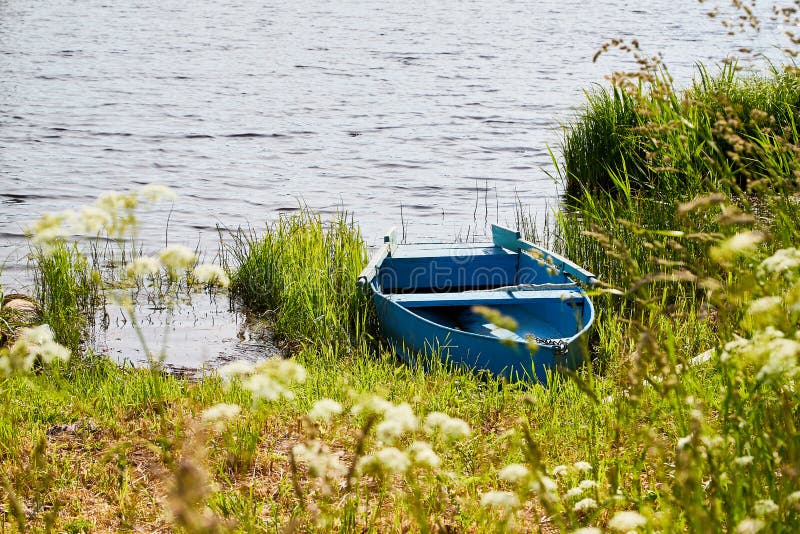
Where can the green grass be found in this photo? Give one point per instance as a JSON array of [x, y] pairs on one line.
[[656, 181], [658, 140], [128, 454], [66, 291], [300, 272]]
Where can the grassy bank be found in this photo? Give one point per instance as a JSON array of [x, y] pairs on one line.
[[685, 204]]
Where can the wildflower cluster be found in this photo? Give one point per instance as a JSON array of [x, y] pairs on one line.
[[112, 213], [31, 344], [269, 380], [394, 441], [569, 496], [216, 416], [397, 421], [773, 346]]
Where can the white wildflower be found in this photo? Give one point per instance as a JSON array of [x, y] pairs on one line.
[[499, 499], [38, 338], [48, 228], [267, 388], [372, 405], [284, 370], [749, 526], [455, 429], [770, 332], [573, 493], [434, 421], [587, 484], [735, 347], [156, 192], [91, 220], [367, 464], [743, 460], [684, 442], [585, 505], [548, 484], [583, 467], [397, 420], [235, 369], [741, 244], [514, 473], [220, 412], [627, 521], [177, 258], [393, 460], [765, 305], [321, 461], [764, 507], [211, 274], [782, 360], [560, 470], [545, 487], [143, 266], [587, 530], [46, 237], [422, 454], [324, 410], [451, 428], [793, 498], [36, 335], [32, 343], [112, 202], [50, 350], [785, 260]]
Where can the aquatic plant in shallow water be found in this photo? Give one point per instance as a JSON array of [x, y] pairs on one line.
[[302, 272], [68, 286]]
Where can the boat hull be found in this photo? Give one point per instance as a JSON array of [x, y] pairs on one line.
[[417, 338]]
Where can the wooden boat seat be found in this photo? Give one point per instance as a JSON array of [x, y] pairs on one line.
[[484, 298]]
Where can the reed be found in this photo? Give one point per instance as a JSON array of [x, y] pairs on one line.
[[681, 224], [679, 143], [302, 272], [66, 290]]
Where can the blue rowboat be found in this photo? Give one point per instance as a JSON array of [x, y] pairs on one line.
[[434, 300]]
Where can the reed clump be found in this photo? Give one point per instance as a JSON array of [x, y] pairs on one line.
[[67, 291], [691, 224], [301, 272], [662, 141]]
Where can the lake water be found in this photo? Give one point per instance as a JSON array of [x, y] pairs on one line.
[[441, 112]]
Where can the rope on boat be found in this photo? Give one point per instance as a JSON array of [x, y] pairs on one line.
[[559, 344]]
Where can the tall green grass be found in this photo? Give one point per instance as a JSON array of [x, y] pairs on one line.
[[67, 291], [657, 181], [302, 273], [659, 140]]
